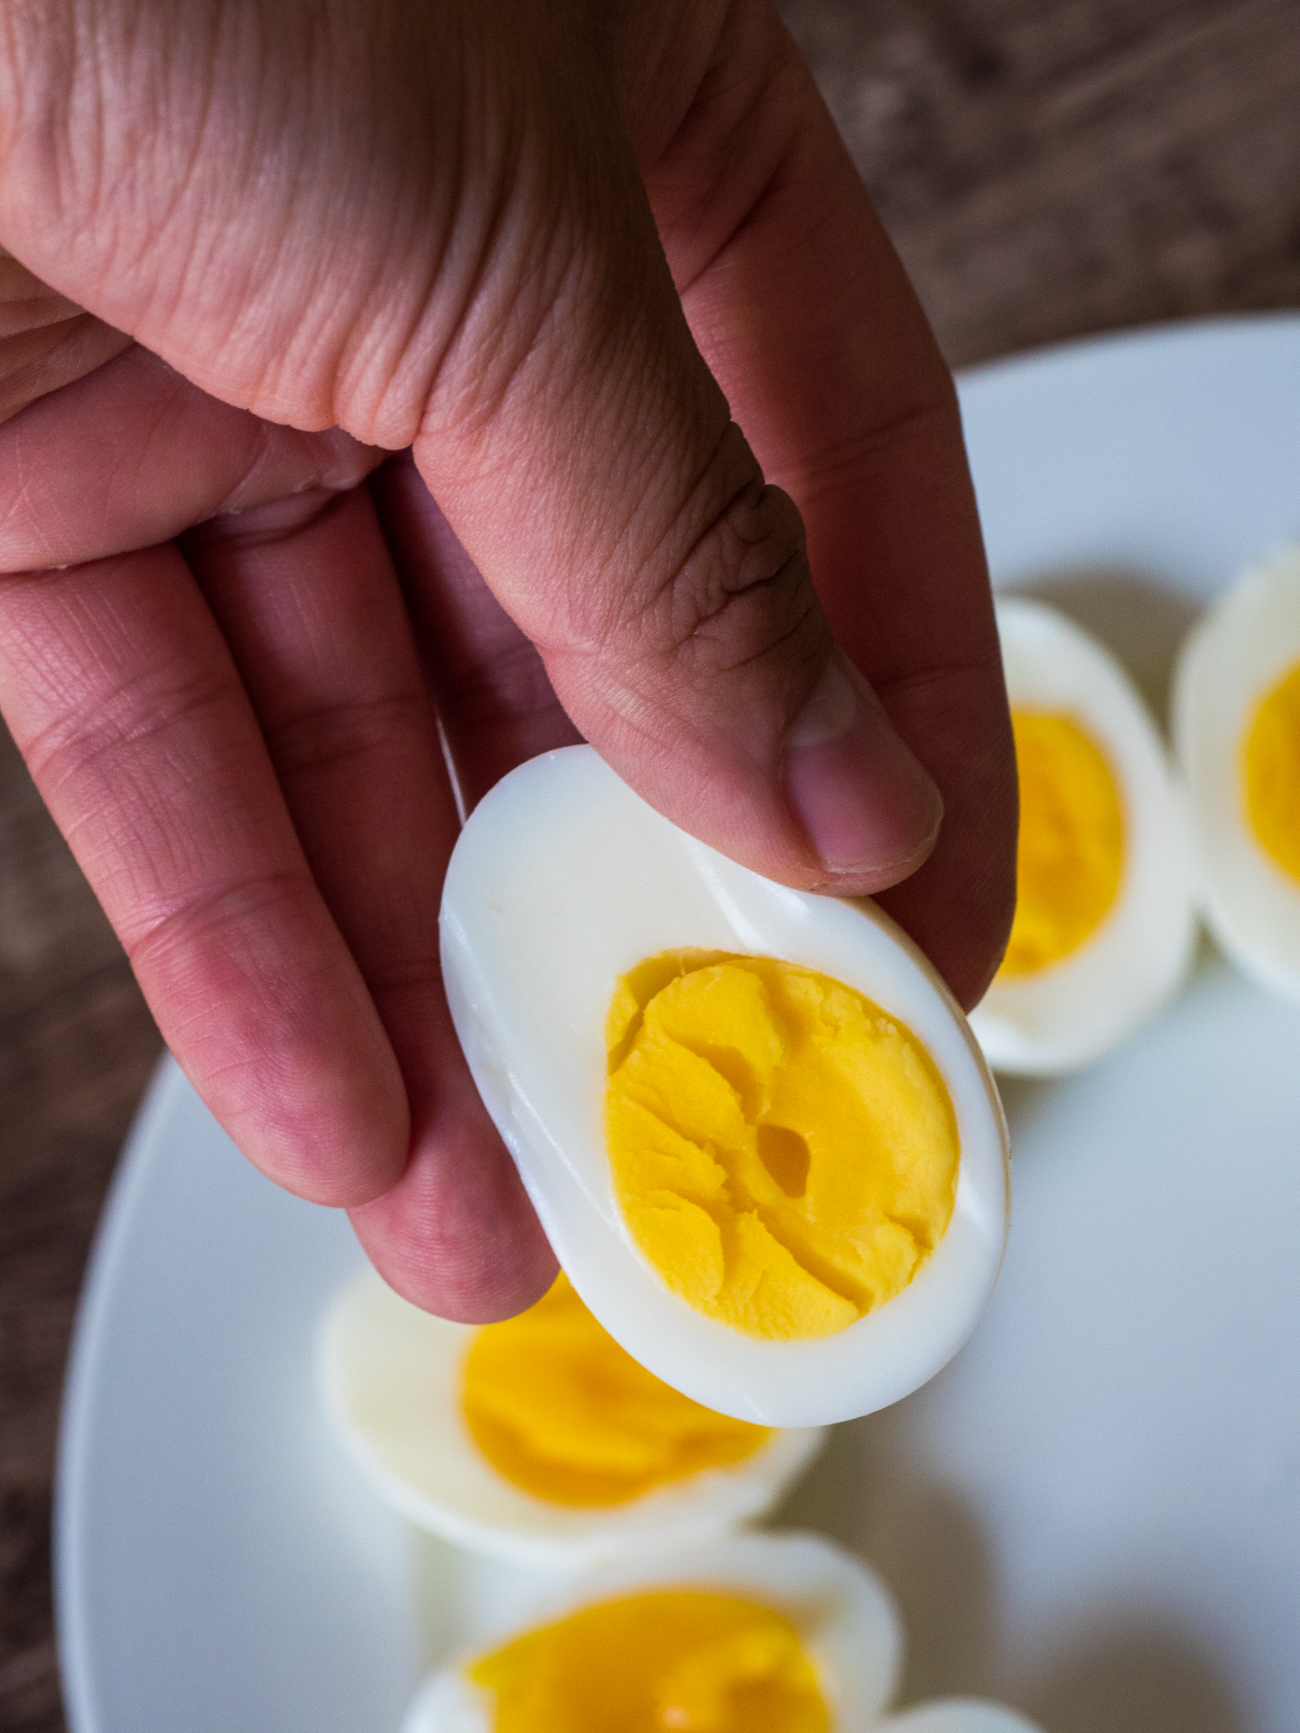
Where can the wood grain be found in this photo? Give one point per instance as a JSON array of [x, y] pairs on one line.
[[1052, 169], [1047, 168]]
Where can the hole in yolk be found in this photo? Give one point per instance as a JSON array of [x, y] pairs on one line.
[[784, 1152], [1270, 773], [1070, 856], [657, 1662], [786, 1157], [561, 1411]]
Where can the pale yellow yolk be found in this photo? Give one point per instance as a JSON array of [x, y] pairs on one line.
[[667, 1661], [1270, 768], [784, 1153], [560, 1410], [1070, 856]]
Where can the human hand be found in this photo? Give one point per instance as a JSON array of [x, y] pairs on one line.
[[429, 227]]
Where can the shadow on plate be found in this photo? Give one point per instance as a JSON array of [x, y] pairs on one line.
[[1134, 1679], [1136, 615], [1125, 1676], [925, 1542]]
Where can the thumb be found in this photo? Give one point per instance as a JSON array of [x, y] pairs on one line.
[[587, 460]]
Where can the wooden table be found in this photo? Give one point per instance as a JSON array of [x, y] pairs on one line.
[[1047, 168]]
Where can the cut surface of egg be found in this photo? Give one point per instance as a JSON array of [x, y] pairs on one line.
[[753, 1122], [1237, 731], [538, 1438], [1104, 926], [755, 1634]]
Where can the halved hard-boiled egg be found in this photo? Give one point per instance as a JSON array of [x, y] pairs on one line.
[[757, 1633], [1237, 730], [753, 1122], [539, 1437], [1104, 925], [784, 1633]]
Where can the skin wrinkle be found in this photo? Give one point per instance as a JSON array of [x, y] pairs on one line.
[[269, 525], [105, 419], [741, 176], [528, 316], [536, 379], [405, 973], [468, 331], [835, 464], [799, 627], [49, 648], [329, 735], [694, 273], [629, 611], [513, 688], [154, 435], [22, 508], [335, 479], [49, 752], [206, 914], [33, 364]]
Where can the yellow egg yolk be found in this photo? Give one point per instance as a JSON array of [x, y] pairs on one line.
[[666, 1661], [559, 1409], [1270, 768], [784, 1153], [1070, 856]]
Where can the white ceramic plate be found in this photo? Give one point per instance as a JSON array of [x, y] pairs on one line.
[[1094, 1513]]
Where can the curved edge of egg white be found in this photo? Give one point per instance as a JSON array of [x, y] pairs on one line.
[[389, 1378], [844, 1613], [1151, 930], [1236, 651], [957, 1715], [873, 1362]]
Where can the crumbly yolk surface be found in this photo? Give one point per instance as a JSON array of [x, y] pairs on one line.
[[784, 1152], [667, 1661], [1270, 770], [559, 1409], [1070, 857]]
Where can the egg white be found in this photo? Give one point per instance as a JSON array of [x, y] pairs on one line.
[[391, 1378], [1068, 1014], [1232, 659], [842, 1610], [562, 881], [957, 1715]]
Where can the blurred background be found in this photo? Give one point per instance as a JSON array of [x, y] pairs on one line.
[[1047, 169]]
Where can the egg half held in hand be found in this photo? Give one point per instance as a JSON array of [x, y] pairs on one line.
[[1237, 730], [1104, 926], [538, 1438], [784, 1633], [754, 1124]]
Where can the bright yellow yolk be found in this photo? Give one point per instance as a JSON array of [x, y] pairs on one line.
[[559, 1409], [1270, 768], [784, 1153], [671, 1661], [1071, 852]]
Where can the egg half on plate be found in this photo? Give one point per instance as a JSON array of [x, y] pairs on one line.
[[756, 1127], [1237, 730], [1104, 926], [537, 1438], [791, 1622], [784, 1633]]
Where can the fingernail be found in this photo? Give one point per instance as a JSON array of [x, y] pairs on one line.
[[865, 803]]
